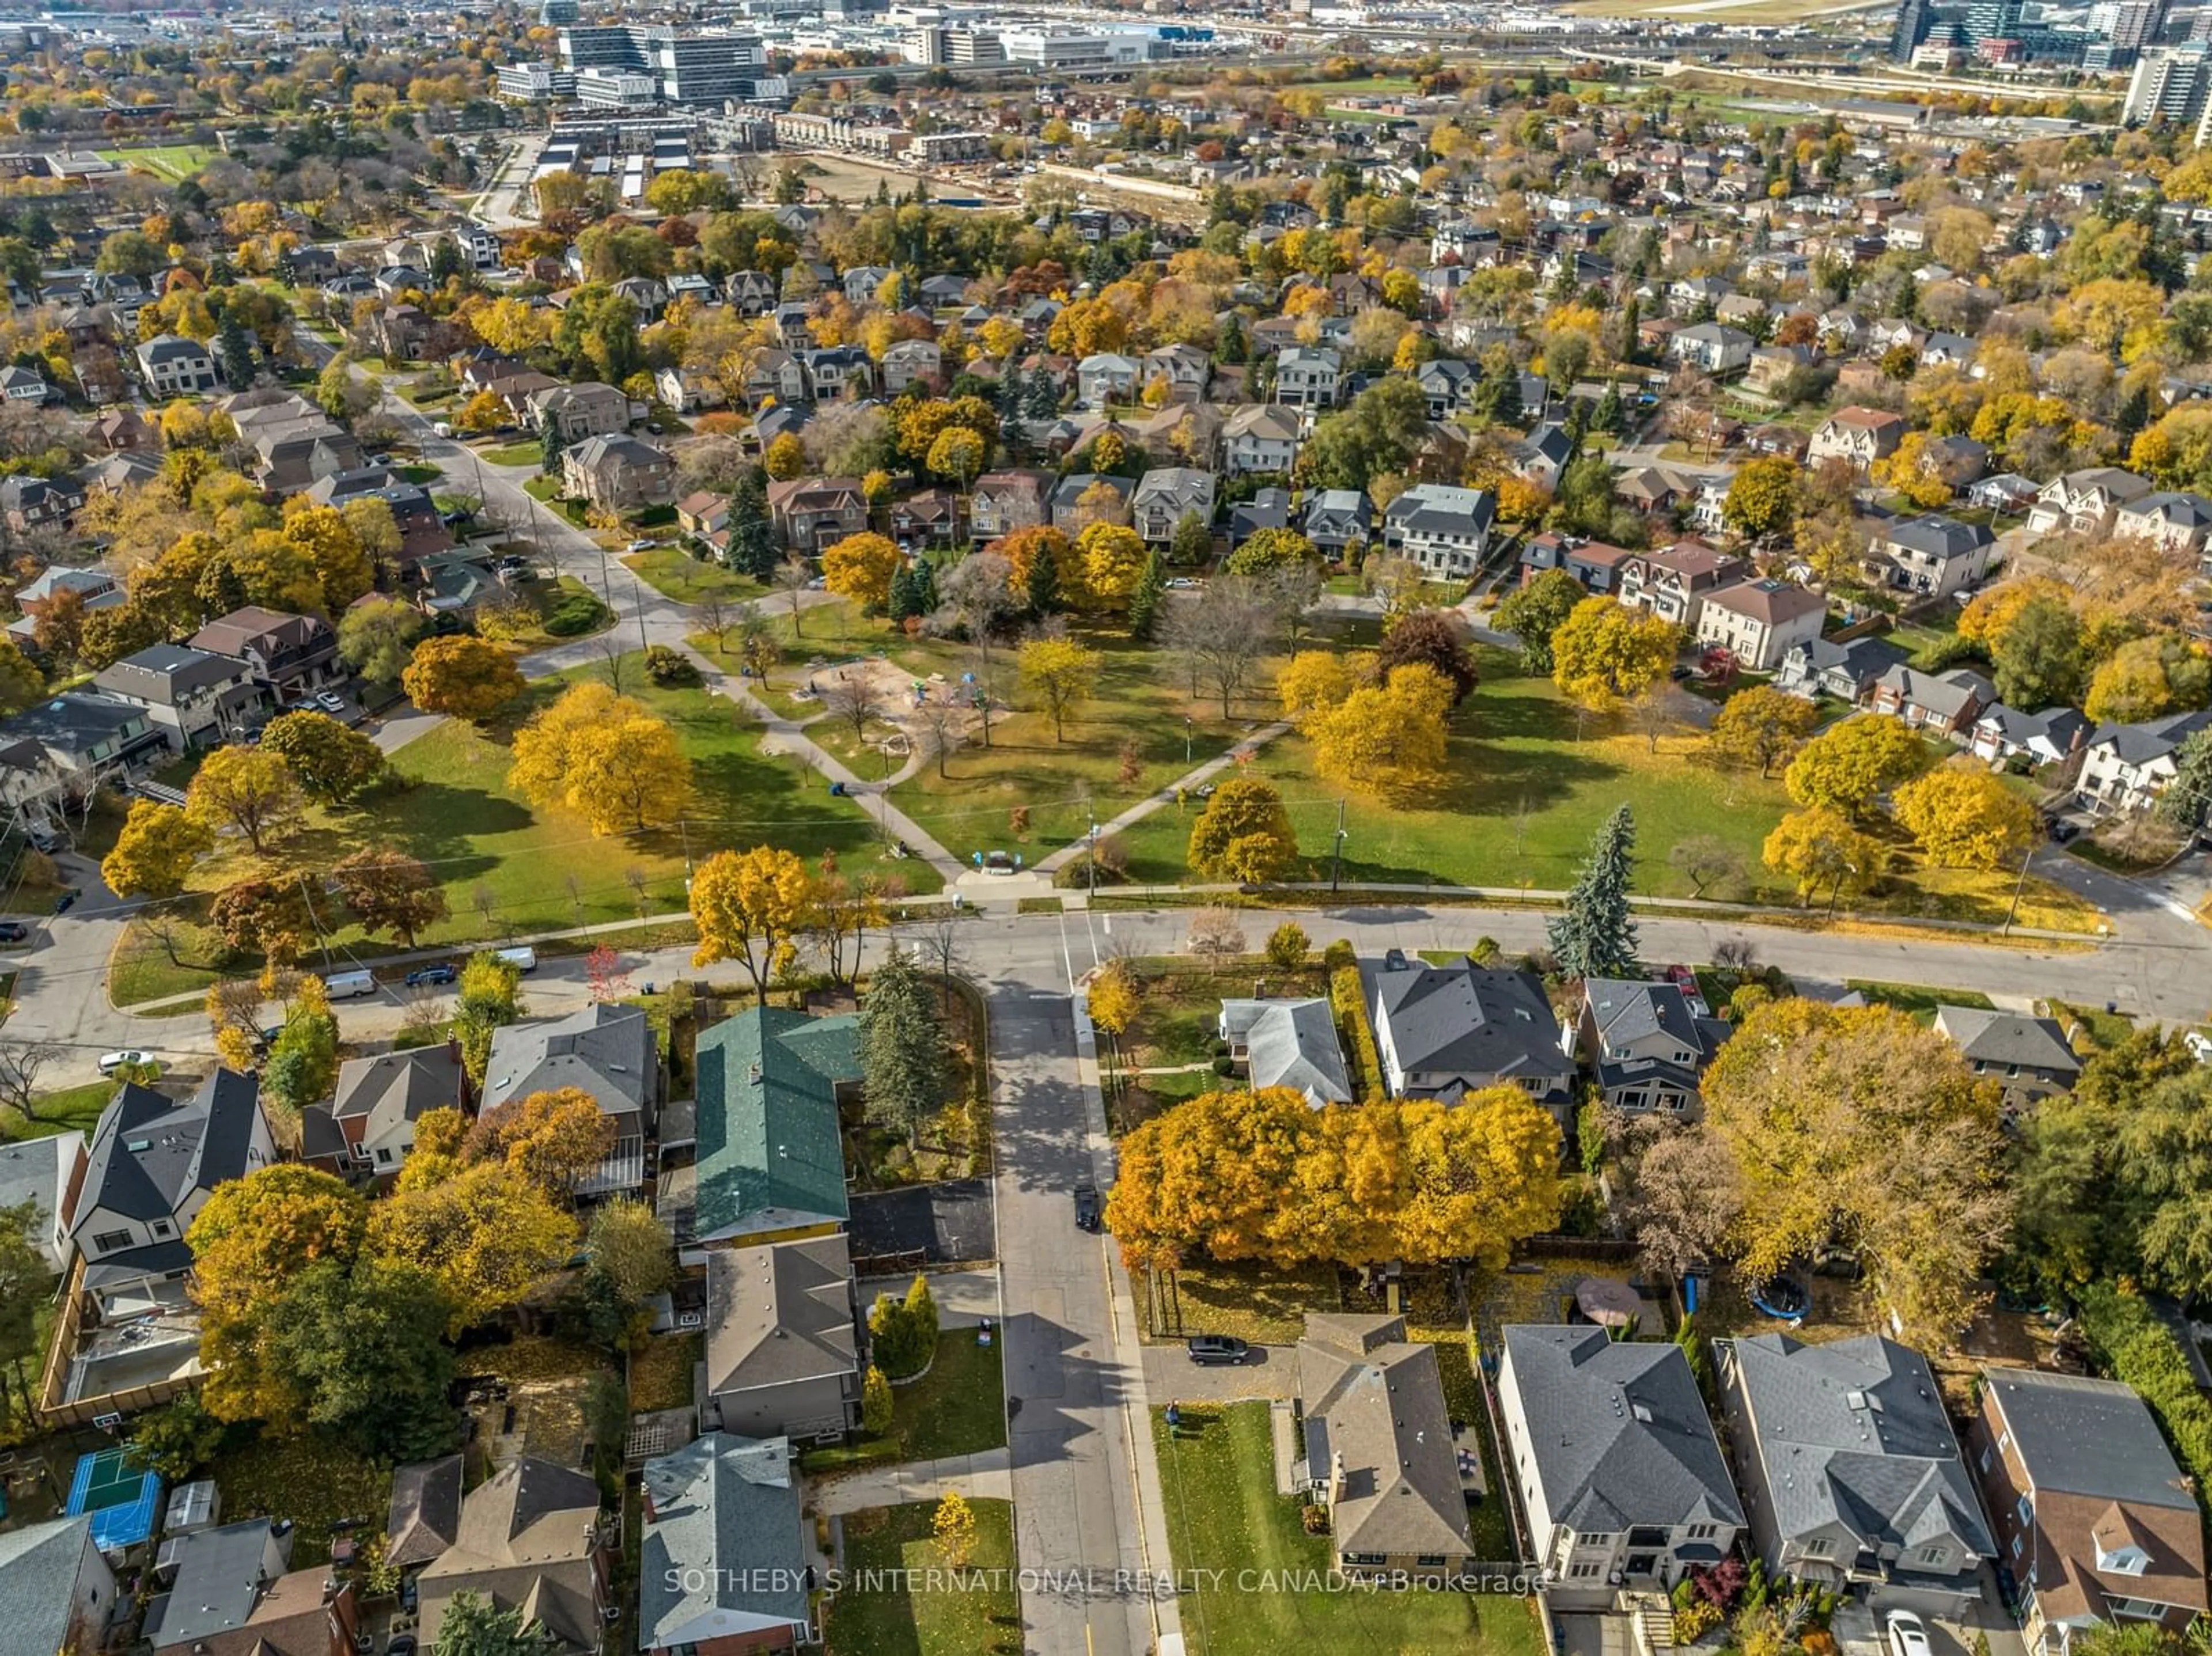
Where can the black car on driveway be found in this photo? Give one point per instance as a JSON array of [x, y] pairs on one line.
[[1212, 1349]]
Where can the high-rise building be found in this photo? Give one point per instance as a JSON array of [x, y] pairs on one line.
[[1991, 19], [1913, 17], [554, 13], [2170, 84]]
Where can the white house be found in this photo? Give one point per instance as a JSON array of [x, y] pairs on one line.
[[2124, 768], [1259, 437], [1759, 622], [2089, 500], [1444, 530], [1856, 436], [1306, 377], [2177, 520], [1936, 556], [1106, 377], [1712, 347]]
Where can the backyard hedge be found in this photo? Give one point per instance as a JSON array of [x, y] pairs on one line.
[[2134, 1345], [1348, 1001]]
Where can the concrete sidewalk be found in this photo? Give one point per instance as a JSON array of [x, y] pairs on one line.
[[983, 1476]]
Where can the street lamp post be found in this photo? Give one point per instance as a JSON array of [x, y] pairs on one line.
[[1835, 890], [1186, 741]]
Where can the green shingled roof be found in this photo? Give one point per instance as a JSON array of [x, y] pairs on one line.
[[769, 1155]]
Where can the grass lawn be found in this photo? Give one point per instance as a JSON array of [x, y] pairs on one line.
[[1917, 1000], [308, 1479], [77, 1107], [174, 161], [957, 1408], [1264, 1304], [676, 574], [2099, 1029], [1223, 1513], [545, 596], [660, 1374], [507, 870], [530, 453], [955, 1619]]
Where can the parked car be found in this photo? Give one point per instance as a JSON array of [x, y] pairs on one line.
[[67, 901], [639, 546], [13, 931], [429, 977], [1908, 1634], [2199, 1044], [1212, 1349], [1087, 1207], [329, 703], [110, 1062]]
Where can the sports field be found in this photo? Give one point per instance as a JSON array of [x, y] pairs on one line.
[[175, 162]]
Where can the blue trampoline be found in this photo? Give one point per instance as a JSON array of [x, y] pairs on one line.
[[123, 1503]]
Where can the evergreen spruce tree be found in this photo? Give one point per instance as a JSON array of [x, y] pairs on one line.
[[549, 441], [1608, 416], [1042, 399], [1593, 937], [902, 1047], [901, 604], [1043, 587], [1144, 598], [238, 362], [924, 587], [752, 544], [1231, 347]]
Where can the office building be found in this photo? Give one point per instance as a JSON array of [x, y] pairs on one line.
[[2169, 85], [1055, 49], [1913, 18], [536, 82], [685, 66], [554, 13]]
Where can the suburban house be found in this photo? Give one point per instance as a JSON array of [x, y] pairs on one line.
[[287, 653], [174, 366], [2089, 500], [811, 513], [1106, 377], [2179, 522], [618, 473], [2124, 768], [1445, 1031], [911, 363], [2045, 738], [1758, 621], [1672, 582], [1338, 519], [1184, 368], [1307, 376], [585, 409], [1544, 454], [1444, 530], [1288, 1043], [152, 1165], [1945, 703], [1619, 1469], [1003, 501], [529, 1538], [1645, 1044], [1072, 514], [231, 1595], [1164, 494], [1849, 1471], [196, 698], [783, 1340], [769, 1162], [380, 1098], [48, 1172], [69, 744], [1711, 348], [1261, 438], [604, 1049], [1935, 555], [2028, 1058], [1379, 1449], [28, 502], [57, 1591], [1856, 436], [2093, 1519], [725, 1556], [1844, 669], [425, 1518]]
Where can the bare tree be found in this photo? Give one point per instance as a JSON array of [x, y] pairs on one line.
[[575, 885], [634, 877], [1222, 634], [1656, 712], [715, 615], [614, 664], [1215, 933], [853, 698], [1705, 859], [487, 907], [940, 941], [941, 730], [1296, 588], [21, 1063], [978, 599], [1684, 1195], [167, 925], [792, 577], [1736, 955]]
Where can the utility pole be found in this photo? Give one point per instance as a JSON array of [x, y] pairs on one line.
[[2018, 886], [1336, 854], [1186, 741]]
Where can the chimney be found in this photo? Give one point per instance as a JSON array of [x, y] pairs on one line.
[[1336, 1478]]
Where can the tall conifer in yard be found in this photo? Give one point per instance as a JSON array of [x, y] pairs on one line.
[[902, 1047], [1594, 938]]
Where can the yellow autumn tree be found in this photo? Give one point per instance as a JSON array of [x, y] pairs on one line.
[[1386, 739], [603, 756], [861, 568], [488, 1234], [1966, 819], [750, 906]]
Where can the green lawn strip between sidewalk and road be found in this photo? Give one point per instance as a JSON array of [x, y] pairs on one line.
[[957, 1408], [1918, 1001]]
